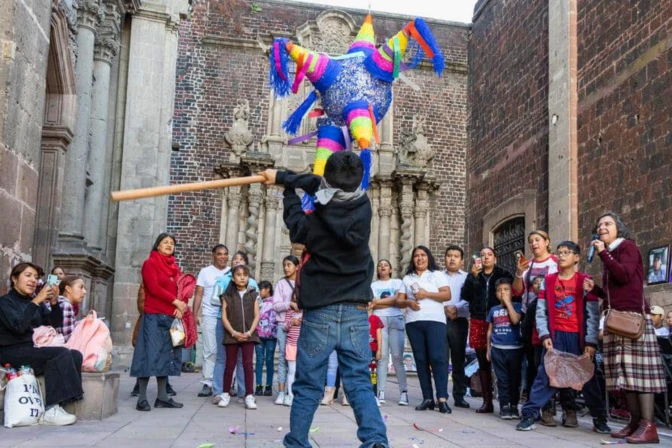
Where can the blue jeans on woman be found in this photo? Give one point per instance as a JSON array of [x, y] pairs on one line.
[[428, 341], [265, 351], [344, 328]]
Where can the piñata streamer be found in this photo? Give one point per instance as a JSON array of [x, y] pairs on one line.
[[330, 139], [358, 118], [293, 122], [278, 76], [366, 38]]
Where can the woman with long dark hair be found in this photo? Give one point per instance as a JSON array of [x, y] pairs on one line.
[[634, 366], [479, 291], [154, 353], [20, 312], [425, 290]]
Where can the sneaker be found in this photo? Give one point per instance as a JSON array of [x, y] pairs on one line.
[[281, 399], [569, 419], [547, 418], [514, 413], [526, 424], [377, 402], [225, 400], [288, 400], [206, 391], [56, 416], [600, 426], [345, 401], [403, 399], [505, 412], [259, 391], [268, 392], [216, 398], [381, 397], [250, 403]]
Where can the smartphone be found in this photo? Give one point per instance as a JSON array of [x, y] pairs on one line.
[[53, 280], [477, 258], [520, 256]]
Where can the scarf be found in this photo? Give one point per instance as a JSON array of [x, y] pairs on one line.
[[326, 193], [165, 264]]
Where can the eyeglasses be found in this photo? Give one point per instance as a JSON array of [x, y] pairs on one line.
[[564, 253]]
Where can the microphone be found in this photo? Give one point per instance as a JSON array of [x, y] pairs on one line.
[[591, 251]]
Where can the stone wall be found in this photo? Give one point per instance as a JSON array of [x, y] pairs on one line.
[[221, 62], [625, 121], [508, 128], [24, 45]]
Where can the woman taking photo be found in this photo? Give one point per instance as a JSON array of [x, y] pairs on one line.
[[154, 353], [543, 263], [425, 290], [479, 291], [20, 313], [633, 366], [384, 305]]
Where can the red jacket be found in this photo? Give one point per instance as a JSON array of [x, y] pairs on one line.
[[159, 277]]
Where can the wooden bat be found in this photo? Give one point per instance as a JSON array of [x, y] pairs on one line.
[[129, 195]]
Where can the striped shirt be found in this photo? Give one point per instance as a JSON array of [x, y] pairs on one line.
[[292, 330], [69, 318]]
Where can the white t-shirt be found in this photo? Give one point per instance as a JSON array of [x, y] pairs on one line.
[[207, 279], [430, 309], [391, 286]]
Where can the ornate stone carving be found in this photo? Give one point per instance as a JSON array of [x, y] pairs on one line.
[[90, 13], [415, 149], [105, 49], [332, 32], [254, 195], [405, 238], [239, 136]]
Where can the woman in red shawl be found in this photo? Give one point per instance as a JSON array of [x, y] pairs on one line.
[[154, 353]]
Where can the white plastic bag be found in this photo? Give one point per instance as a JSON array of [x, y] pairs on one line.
[[177, 334], [23, 402]]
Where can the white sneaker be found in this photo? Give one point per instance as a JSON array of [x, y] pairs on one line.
[[250, 403], [377, 402], [381, 396], [281, 399], [56, 416], [224, 402], [403, 399], [288, 400]]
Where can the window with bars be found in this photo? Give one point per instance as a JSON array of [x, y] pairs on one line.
[[508, 238]]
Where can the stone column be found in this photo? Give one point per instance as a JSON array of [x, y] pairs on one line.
[[232, 220], [563, 215], [89, 16], [374, 193], [386, 157], [255, 195], [406, 207], [420, 213], [105, 50], [385, 213], [267, 259]]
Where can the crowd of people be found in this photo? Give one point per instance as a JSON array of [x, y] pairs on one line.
[[328, 320]]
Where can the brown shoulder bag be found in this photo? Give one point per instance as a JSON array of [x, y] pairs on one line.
[[622, 323]]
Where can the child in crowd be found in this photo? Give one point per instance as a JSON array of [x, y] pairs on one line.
[[567, 320], [334, 290], [72, 291], [292, 326], [282, 301], [268, 332], [240, 316], [375, 344], [505, 348]]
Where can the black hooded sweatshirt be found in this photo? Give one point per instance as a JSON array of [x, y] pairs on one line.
[[336, 235], [479, 291]]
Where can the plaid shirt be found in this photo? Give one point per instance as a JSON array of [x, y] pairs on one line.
[[69, 318]]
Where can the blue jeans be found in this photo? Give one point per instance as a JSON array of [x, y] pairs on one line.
[[344, 328], [220, 365], [332, 369], [282, 362], [542, 391], [265, 351], [506, 363], [428, 340], [394, 338]]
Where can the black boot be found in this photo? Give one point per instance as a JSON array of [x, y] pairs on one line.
[[486, 387], [444, 408], [169, 390], [426, 404], [136, 390]]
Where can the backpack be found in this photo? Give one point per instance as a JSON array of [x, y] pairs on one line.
[[91, 338]]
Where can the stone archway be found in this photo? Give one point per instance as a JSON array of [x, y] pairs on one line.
[[60, 113]]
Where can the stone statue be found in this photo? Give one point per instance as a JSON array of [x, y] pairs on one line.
[[239, 136], [415, 149]]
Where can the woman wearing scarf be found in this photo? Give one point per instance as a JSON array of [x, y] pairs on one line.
[[154, 353]]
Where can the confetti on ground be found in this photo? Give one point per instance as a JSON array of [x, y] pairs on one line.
[[279, 428], [612, 442], [465, 431], [206, 445], [315, 429], [385, 418], [234, 429], [420, 428]]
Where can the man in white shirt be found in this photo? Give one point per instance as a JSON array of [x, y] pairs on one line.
[[205, 288], [457, 313], [658, 318]]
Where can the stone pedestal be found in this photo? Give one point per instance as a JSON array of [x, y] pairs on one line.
[[100, 397]]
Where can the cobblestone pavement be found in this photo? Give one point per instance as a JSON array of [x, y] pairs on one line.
[[200, 422]]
